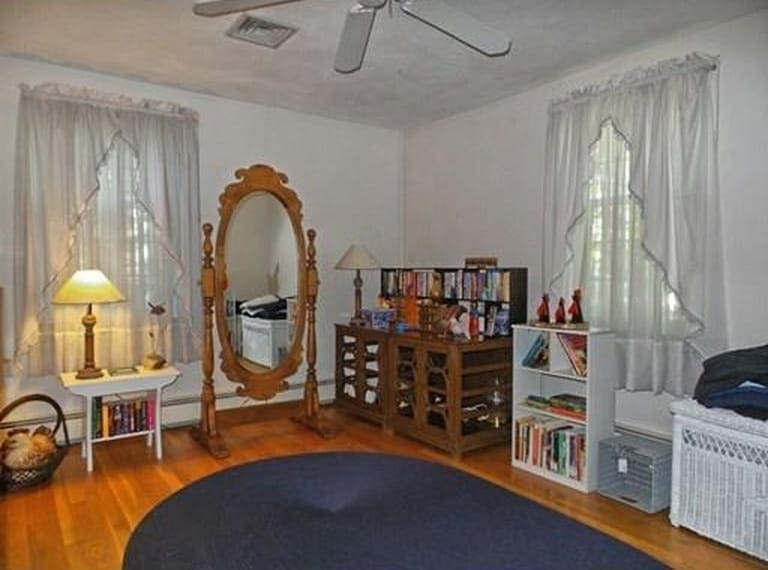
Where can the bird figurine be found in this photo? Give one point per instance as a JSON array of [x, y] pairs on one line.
[[156, 309], [575, 309], [154, 360], [560, 312]]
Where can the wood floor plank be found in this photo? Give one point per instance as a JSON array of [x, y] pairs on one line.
[[83, 521]]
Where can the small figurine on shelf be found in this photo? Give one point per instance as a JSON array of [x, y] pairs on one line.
[[575, 309], [155, 360], [411, 311], [560, 312], [542, 311], [459, 322]]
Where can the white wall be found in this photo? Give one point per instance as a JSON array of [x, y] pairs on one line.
[[488, 165], [349, 193]]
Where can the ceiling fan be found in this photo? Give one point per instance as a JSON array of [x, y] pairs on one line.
[[359, 21]]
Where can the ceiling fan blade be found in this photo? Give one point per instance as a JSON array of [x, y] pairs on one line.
[[457, 24], [221, 7], [354, 38]]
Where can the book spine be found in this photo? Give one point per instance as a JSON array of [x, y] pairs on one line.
[[104, 419], [96, 417]]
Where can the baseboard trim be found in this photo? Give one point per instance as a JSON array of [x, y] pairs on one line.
[[260, 413], [230, 416]]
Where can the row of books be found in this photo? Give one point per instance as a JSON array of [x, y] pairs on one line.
[[569, 405], [489, 284], [118, 417], [574, 347], [551, 444]]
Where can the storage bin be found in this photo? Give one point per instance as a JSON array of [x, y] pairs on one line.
[[720, 476], [379, 318], [636, 471]]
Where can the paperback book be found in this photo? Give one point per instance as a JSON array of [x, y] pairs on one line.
[[575, 347], [538, 353]]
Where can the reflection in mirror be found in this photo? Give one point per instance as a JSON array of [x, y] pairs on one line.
[[262, 281]]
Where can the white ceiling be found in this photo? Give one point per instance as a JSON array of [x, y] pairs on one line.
[[412, 74]]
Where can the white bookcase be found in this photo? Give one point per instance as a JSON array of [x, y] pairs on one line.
[[566, 448]]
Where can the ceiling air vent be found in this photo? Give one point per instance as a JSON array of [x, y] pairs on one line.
[[260, 31]]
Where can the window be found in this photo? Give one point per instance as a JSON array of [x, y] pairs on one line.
[[627, 289], [631, 216], [110, 185]]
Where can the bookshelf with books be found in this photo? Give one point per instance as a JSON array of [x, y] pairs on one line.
[[563, 401], [112, 418], [499, 294]]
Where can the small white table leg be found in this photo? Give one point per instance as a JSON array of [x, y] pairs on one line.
[[158, 429], [89, 433]]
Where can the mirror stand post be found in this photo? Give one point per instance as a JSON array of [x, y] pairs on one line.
[[206, 433], [311, 416]]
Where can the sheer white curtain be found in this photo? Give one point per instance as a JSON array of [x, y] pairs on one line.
[[108, 183], [632, 217]]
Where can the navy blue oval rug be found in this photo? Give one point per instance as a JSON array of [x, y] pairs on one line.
[[364, 511]]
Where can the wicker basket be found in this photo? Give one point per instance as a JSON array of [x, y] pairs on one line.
[[11, 478]]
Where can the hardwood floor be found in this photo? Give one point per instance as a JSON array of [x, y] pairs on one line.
[[83, 521]]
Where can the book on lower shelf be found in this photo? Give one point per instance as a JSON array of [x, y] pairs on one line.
[[551, 444], [575, 347], [120, 417], [569, 405]]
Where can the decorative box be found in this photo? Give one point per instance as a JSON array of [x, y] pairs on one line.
[[636, 471], [720, 476], [379, 318]]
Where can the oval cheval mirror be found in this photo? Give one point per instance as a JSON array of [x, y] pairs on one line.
[[259, 284]]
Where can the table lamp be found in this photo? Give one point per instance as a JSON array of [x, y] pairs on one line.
[[357, 258], [88, 286]]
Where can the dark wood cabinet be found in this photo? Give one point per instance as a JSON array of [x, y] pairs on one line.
[[451, 393], [361, 365]]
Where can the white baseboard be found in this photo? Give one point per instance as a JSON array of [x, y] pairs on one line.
[[184, 410]]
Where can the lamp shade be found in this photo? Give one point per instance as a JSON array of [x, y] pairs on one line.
[[88, 286], [357, 257]]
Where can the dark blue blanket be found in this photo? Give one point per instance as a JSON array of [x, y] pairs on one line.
[[736, 380]]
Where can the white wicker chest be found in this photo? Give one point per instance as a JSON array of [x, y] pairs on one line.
[[720, 476]]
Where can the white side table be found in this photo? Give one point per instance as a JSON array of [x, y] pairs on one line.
[[141, 381]]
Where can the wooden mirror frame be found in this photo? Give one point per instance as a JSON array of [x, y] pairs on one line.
[[255, 384], [260, 385]]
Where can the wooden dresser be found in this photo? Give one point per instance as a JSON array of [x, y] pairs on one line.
[[453, 394]]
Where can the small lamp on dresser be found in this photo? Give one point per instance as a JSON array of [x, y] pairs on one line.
[[356, 258], [86, 287]]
